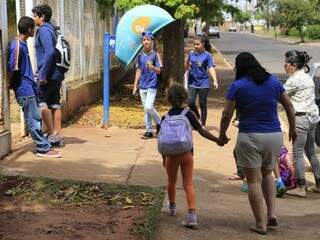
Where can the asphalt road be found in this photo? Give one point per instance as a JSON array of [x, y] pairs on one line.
[[269, 52]]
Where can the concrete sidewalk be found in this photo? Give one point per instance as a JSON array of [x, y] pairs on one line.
[[120, 156]]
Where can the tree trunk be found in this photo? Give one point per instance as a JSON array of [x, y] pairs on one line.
[[301, 35], [173, 54], [275, 31]]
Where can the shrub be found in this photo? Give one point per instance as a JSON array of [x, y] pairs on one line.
[[293, 32], [313, 31]]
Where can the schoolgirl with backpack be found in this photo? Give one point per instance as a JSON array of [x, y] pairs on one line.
[[176, 146]]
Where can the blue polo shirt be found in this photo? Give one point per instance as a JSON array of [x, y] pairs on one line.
[[45, 43], [257, 104], [148, 77], [200, 64], [19, 64]]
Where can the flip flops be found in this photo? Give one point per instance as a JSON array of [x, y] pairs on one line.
[[259, 231]]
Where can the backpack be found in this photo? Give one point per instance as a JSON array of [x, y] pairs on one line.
[[286, 168], [62, 51], [175, 135]]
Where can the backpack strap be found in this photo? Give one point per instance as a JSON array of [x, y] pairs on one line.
[[184, 112], [166, 115], [17, 55]]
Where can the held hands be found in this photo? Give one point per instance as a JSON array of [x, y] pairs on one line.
[[222, 140]]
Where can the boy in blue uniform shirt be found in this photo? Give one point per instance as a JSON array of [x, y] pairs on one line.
[[49, 75], [148, 66], [22, 81]]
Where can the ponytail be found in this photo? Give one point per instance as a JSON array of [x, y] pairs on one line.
[[300, 58]]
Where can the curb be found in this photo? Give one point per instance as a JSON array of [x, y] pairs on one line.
[[224, 59], [285, 41], [271, 38]]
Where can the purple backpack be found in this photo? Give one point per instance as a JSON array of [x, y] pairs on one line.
[[286, 168], [175, 135]]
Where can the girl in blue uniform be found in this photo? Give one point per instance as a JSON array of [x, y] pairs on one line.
[[201, 67], [148, 67]]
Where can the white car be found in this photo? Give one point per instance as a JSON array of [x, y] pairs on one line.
[[214, 31], [232, 28]]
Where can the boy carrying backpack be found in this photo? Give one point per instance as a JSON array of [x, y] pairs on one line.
[[176, 146]]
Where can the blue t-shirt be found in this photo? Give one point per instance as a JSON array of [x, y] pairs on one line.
[[19, 64], [148, 77], [200, 64], [257, 104], [45, 53]]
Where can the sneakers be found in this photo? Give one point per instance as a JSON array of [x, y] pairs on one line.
[[172, 209], [190, 221], [147, 135], [298, 192], [280, 187], [314, 189], [50, 154], [55, 140]]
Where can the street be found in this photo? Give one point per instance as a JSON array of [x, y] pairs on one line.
[[269, 52]]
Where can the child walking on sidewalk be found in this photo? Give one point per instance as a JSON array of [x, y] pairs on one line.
[[175, 145]]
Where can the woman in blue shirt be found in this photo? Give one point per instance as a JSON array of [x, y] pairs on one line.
[[255, 93], [200, 64]]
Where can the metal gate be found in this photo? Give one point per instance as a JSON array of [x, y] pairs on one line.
[[5, 134]]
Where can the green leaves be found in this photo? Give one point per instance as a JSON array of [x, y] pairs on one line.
[[181, 9]]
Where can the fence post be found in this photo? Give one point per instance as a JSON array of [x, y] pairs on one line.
[[106, 79]]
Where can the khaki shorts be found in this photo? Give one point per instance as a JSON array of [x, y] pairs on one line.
[[256, 150]]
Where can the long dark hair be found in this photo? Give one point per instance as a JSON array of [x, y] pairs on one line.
[[248, 66], [301, 59], [205, 41]]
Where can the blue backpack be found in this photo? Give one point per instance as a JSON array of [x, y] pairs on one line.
[[175, 135]]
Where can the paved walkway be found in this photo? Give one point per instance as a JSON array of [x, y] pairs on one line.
[[120, 156]]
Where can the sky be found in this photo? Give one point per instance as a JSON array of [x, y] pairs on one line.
[[242, 4]]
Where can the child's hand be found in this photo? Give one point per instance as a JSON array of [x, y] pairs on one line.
[[188, 65], [149, 64], [223, 139]]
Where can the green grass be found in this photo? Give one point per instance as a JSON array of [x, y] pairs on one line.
[[292, 39]]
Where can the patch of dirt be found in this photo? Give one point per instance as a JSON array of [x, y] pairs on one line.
[[24, 220], [47, 209]]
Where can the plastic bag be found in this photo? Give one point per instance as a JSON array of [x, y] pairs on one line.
[[286, 168]]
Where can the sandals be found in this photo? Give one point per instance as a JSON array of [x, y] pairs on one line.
[[235, 177], [259, 231]]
